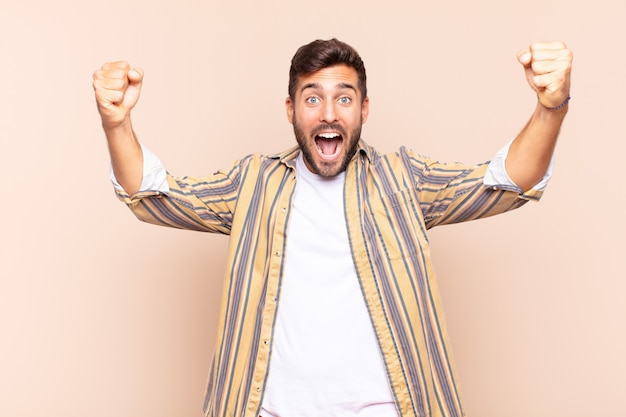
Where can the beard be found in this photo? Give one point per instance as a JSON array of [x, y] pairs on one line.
[[308, 147]]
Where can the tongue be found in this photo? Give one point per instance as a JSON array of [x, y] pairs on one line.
[[328, 146]]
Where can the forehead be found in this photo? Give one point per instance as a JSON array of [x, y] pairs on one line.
[[329, 78]]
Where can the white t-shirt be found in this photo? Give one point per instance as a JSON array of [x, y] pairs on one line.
[[325, 358]]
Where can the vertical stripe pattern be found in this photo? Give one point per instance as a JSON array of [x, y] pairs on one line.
[[391, 201]]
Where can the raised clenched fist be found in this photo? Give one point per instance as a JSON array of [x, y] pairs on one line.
[[548, 66], [117, 87]]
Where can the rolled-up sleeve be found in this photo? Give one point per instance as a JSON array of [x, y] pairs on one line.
[[154, 181], [154, 174], [497, 176]]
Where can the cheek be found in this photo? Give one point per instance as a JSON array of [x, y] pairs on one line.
[[304, 118], [353, 118]]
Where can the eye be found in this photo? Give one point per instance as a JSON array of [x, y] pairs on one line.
[[312, 100], [345, 100]]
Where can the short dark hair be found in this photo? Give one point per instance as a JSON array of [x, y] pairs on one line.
[[321, 54]]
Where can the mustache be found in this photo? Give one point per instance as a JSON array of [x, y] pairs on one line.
[[326, 127]]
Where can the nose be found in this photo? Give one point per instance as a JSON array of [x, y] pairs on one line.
[[329, 113]]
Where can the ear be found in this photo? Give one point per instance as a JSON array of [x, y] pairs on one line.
[[365, 110], [289, 109]]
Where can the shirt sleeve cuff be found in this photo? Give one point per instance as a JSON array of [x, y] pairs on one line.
[[496, 175], [154, 174]]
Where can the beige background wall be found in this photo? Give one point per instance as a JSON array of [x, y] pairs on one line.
[[101, 315]]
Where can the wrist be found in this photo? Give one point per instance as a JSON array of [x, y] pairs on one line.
[[117, 128], [564, 104], [550, 119]]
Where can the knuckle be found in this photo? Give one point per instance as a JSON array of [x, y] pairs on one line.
[[116, 83]]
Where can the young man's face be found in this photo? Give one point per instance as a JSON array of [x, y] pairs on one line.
[[327, 113]]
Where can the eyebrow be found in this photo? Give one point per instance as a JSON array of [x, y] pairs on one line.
[[318, 86]]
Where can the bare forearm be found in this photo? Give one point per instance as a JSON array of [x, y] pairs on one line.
[[126, 156], [117, 89], [547, 66], [531, 151]]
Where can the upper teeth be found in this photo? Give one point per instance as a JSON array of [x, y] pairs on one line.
[[329, 135]]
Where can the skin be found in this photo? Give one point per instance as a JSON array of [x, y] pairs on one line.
[[547, 66], [328, 98], [328, 107], [117, 88]]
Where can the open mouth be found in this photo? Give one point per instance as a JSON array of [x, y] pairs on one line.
[[328, 145]]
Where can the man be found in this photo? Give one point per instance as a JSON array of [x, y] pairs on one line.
[[330, 305]]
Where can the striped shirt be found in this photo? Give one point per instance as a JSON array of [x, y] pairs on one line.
[[390, 201]]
